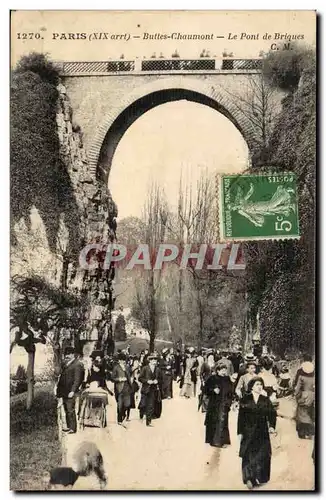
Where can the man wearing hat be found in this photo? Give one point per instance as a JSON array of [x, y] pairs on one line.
[[70, 379], [122, 387], [151, 379]]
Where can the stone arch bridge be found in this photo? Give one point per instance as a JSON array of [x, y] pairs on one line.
[[108, 96]]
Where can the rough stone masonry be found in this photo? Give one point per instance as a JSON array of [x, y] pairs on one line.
[[98, 212]]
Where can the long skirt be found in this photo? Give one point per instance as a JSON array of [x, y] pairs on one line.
[[157, 409], [217, 426], [167, 390], [256, 465], [304, 421]]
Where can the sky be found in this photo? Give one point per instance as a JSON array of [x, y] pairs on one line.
[[173, 138]]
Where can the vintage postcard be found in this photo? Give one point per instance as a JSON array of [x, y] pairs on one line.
[[162, 313]]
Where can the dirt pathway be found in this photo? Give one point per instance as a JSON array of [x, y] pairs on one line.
[[172, 454]]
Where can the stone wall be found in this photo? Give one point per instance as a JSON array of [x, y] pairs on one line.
[[98, 101], [98, 220]]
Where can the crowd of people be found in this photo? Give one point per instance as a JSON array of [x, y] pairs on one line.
[[221, 380]]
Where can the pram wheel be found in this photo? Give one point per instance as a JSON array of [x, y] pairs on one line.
[[103, 422]]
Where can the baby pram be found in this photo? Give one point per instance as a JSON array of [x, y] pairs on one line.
[[94, 403]]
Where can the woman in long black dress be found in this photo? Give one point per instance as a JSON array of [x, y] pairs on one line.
[[167, 375], [219, 389], [256, 420]]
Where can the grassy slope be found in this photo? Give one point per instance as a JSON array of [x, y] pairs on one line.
[[138, 344], [34, 441]]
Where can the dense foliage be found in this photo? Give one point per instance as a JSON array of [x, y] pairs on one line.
[[36, 302], [120, 328], [284, 69], [38, 176], [281, 274]]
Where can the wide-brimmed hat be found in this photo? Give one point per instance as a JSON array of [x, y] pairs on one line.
[[307, 367], [152, 356], [165, 350], [69, 350], [97, 353], [250, 357]]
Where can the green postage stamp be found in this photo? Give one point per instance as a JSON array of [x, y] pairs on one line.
[[258, 207]]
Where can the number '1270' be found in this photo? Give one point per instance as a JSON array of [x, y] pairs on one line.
[[29, 36]]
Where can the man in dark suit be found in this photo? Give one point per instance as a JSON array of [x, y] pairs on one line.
[[122, 387], [151, 380], [71, 377]]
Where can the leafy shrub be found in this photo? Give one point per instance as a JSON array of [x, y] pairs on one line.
[[38, 176], [39, 64], [280, 275], [120, 328], [283, 69], [20, 373], [17, 387]]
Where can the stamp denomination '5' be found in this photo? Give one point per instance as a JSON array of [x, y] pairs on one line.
[[258, 206]]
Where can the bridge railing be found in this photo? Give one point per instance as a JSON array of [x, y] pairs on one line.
[[145, 66]]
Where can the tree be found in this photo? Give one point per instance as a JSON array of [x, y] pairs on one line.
[[38, 176], [120, 328], [283, 69], [147, 303], [257, 102], [235, 339], [196, 306], [200, 301], [39, 310], [130, 231], [280, 275]]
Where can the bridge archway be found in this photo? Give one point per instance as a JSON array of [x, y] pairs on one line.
[[161, 91]]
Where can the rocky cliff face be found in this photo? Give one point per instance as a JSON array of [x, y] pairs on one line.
[[98, 214], [95, 220]]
